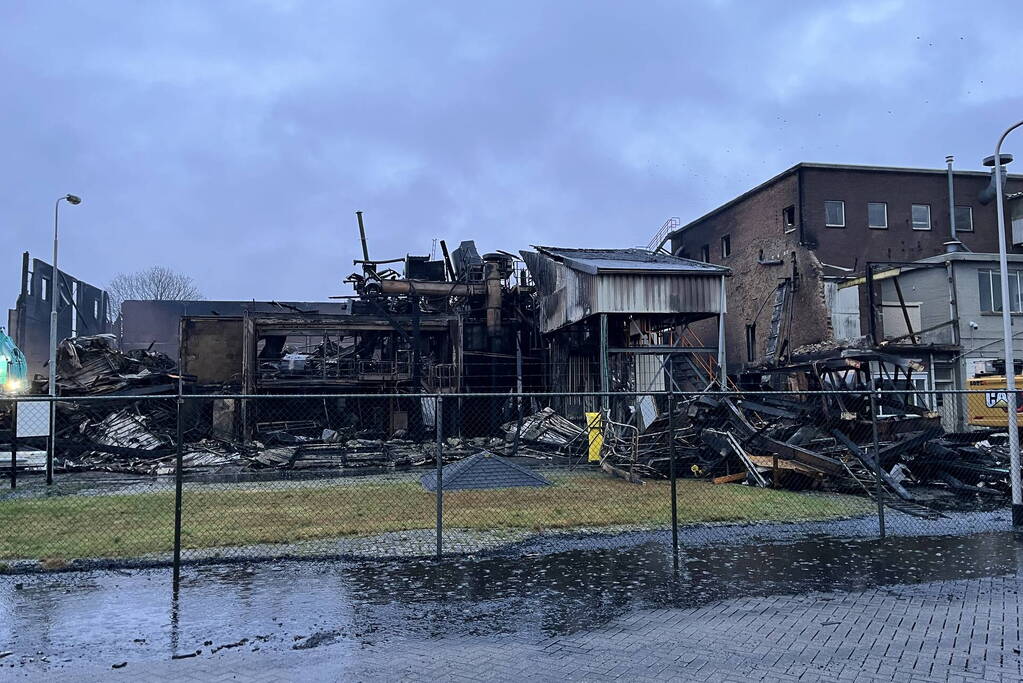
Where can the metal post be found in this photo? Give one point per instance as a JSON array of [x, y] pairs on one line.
[[951, 199], [440, 475], [14, 444], [51, 445], [178, 481], [722, 365], [878, 489], [672, 474], [1010, 361], [605, 373], [518, 389], [871, 305]]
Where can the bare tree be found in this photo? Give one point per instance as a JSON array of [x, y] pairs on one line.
[[153, 284]]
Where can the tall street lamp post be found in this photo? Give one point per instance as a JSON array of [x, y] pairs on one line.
[[1010, 367], [54, 298]]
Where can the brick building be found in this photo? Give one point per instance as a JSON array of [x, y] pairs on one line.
[[790, 240]]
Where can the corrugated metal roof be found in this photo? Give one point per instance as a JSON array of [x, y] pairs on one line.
[[594, 261]]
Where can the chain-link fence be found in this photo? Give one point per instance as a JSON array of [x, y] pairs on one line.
[[167, 479]]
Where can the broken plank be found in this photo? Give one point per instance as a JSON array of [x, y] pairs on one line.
[[729, 478], [620, 473]]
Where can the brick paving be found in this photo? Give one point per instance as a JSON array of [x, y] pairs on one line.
[[963, 630]]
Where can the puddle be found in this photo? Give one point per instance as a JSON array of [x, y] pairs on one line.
[[96, 617]]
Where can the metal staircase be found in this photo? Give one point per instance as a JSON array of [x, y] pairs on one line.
[[661, 236]]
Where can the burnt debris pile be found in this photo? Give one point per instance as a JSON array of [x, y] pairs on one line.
[[92, 366], [791, 427]]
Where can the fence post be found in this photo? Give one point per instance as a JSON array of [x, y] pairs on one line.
[[178, 480], [879, 490], [671, 472], [52, 445], [14, 443], [439, 419]]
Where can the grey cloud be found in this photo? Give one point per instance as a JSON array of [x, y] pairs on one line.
[[233, 141]]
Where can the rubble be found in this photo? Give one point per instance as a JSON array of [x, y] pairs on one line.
[[780, 429], [780, 433], [545, 427], [93, 366]]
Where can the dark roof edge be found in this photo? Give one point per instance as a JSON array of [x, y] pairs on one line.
[[832, 167], [711, 268], [731, 202]]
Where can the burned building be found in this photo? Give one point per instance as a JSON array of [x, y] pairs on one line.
[[81, 310], [791, 240], [618, 320], [458, 325], [156, 325]]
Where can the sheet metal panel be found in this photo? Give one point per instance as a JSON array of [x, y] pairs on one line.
[[626, 293], [568, 295]]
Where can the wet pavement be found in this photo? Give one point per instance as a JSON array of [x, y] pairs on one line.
[[372, 619]]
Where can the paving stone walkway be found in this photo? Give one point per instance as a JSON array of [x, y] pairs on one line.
[[964, 630]]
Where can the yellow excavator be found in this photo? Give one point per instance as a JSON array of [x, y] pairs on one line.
[[988, 404]]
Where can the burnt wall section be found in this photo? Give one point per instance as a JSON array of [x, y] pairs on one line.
[[778, 231], [81, 311], [155, 324], [211, 349], [764, 250]]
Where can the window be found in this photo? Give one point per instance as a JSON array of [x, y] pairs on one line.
[[751, 342], [964, 219], [95, 310], [705, 253], [877, 215], [944, 381], [45, 293], [921, 216], [788, 218], [990, 285], [834, 214], [726, 246]]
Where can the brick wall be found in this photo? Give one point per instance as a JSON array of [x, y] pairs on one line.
[[856, 243], [758, 237], [763, 253]]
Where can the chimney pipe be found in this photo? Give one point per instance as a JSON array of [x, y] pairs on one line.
[[366, 267], [492, 279], [951, 203]]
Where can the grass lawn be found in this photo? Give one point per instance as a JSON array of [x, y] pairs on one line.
[[68, 527]]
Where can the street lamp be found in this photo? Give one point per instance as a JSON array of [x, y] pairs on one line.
[[54, 298], [1010, 367]]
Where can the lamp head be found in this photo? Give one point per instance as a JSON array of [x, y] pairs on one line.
[[1003, 157], [73, 199]]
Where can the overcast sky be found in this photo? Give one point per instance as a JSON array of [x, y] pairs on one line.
[[233, 141]]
